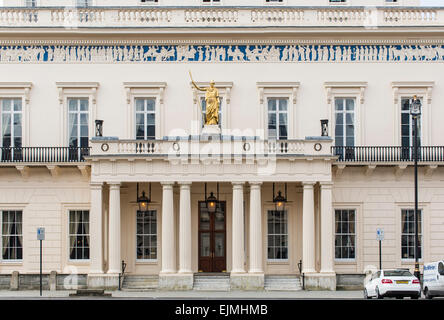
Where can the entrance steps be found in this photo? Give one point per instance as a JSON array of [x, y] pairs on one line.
[[211, 282], [140, 282], [282, 283]]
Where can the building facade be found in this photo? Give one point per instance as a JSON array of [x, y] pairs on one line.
[[314, 107]]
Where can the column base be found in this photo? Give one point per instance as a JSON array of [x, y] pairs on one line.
[[247, 281], [103, 281], [320, 281], [176, 281]]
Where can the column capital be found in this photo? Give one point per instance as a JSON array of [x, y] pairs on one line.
[[237, 184], [308, 184], [96, 185], [167, 183], [184, 183], [326, 184], [114, 185], [255, 184]]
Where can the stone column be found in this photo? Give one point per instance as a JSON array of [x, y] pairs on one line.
[[168, 252], [238, 228], [185, 228], [327, 278], [96, 232], [326, 228], [255, 228], [114, 229], [308, 229]]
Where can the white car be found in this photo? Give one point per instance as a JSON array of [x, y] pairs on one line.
[[433, 279], [397, 283]]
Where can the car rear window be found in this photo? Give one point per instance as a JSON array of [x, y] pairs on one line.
[[397, 273]]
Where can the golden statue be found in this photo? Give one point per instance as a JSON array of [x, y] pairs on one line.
[[212, 101]]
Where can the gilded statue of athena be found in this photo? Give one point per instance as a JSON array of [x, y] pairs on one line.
[[212, 101]]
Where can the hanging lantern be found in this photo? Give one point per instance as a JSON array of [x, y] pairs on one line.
[[143, 200], [212, 200], [279, 200]]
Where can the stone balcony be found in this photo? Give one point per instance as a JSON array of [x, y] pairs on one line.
[[182, 17], [198, 149]]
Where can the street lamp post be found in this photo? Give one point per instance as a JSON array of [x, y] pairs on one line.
[[415, 111]]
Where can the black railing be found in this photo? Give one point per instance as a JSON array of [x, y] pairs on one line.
[[43, 154], [388, 154]]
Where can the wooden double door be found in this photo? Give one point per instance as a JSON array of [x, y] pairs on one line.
[[212, 238]]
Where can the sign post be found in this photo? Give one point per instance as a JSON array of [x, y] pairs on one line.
[[380, 237], [40, 237]]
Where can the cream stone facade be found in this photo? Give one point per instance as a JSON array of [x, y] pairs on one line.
[[280, 67]]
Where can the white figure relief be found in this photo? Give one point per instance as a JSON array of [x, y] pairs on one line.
[[200, 53], [325, 53], [249, 53], [440, 53], [293, 54], [166, 53], [235, 54], [349, 53], [151, 53], [285, 54], [307, 53], [301, 53], [338, 54], [220, 53], [332, 54]]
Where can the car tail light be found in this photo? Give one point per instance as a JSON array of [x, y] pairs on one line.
[[415, 281], [386, 281]]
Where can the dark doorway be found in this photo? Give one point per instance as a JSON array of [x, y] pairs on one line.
[[212, 238]]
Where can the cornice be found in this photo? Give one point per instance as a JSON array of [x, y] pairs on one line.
[[355, 41]]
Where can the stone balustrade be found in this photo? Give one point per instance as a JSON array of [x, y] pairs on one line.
[[231, 148], [221, 16]]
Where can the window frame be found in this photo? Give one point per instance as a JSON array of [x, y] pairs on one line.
[[409, 260], [145, 90], [212, 2], [11, 261], [145, 113], [421, 89], [267, 234], [344, 113], [411, 122], [78, 114], [149, 2], [73, 90], [69, 235], [18, 90], [12, 112], [275, 2], [277, 112], [355, 235], [288, 90], [158, 242], [345, 90]]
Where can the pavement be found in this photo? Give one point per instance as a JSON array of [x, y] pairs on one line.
[[167, 295]]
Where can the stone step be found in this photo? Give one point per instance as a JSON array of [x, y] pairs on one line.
[[282, 283], [90, 293], [215, 282]]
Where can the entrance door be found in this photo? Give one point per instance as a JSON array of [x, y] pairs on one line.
[[212, 238]]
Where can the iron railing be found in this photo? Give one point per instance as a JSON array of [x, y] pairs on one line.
[[388, 154], [43, 154]]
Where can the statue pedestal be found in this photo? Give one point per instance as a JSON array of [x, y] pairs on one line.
[[212, 130]]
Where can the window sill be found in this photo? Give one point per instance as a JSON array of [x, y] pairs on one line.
[[146, 262], [79, 262], [345, 261], [278, 262], [11, 262]]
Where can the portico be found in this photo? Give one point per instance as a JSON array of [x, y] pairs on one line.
[[187, 238]]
